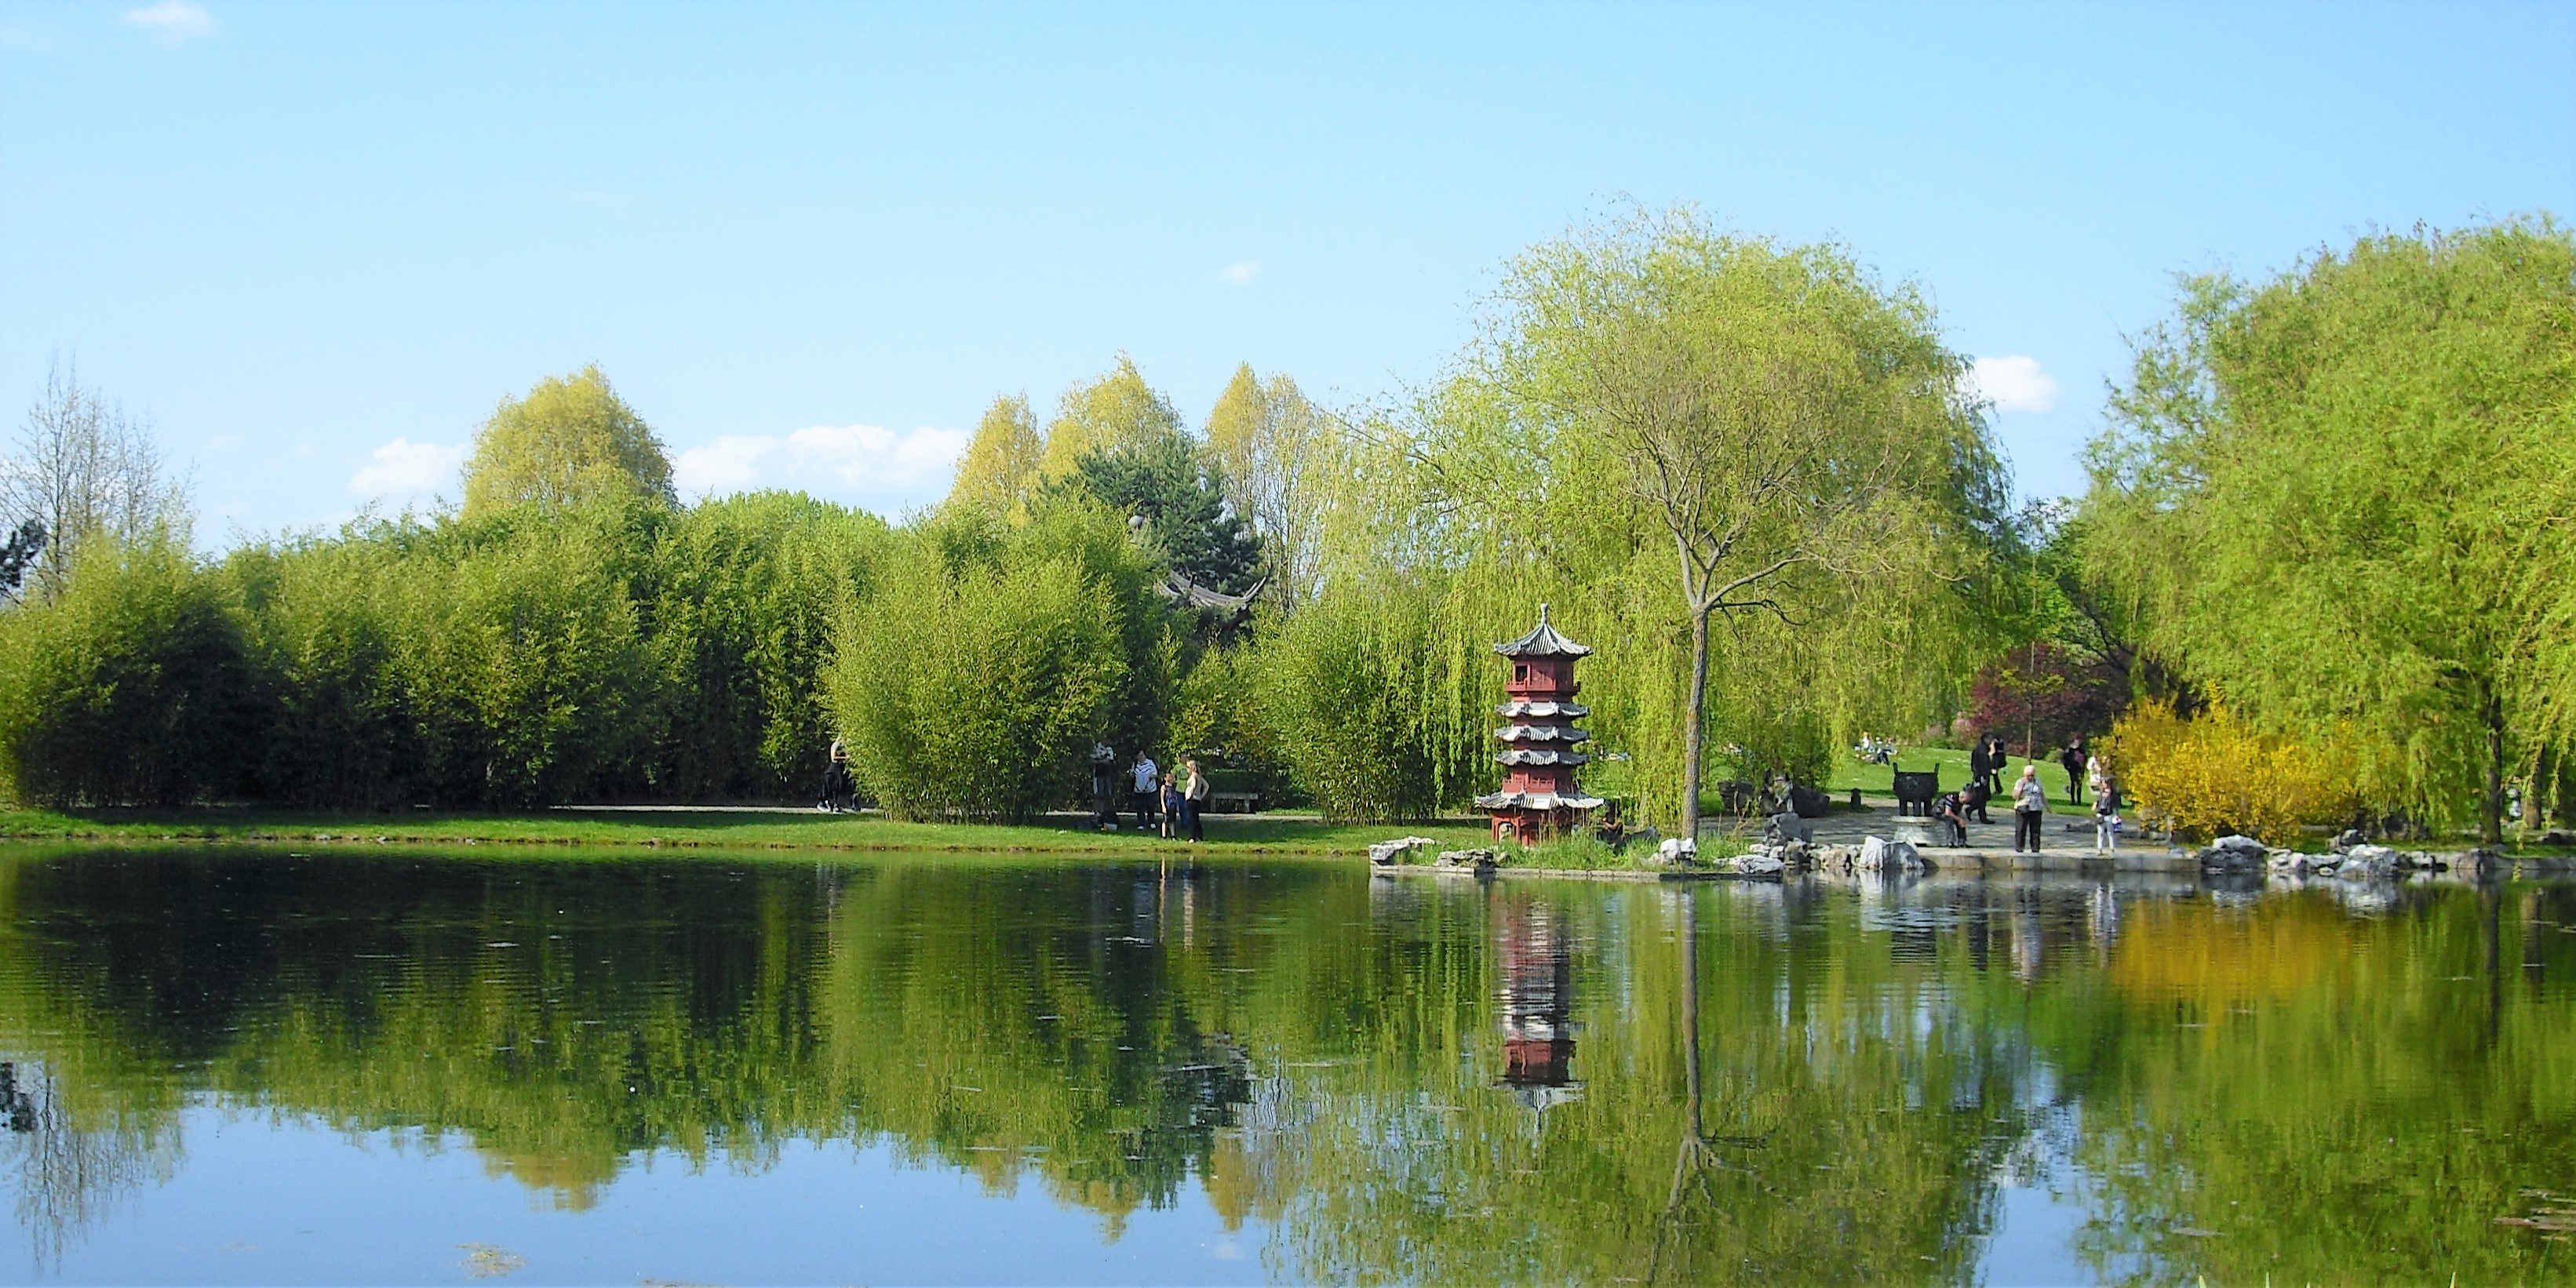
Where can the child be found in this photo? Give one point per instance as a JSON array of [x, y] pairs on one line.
[[1171, 807], [2106, 814]]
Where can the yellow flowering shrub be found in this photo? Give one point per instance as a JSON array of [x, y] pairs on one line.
[[2214, 775]]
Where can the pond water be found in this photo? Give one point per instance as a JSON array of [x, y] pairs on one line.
[[249, 1067]]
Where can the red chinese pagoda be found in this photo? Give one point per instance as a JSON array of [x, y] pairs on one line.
[[1539, 797]]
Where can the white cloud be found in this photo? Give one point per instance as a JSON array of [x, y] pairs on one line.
[[2013, 384], [1237, 274], [403, 468], [172, 21], [867, 461]]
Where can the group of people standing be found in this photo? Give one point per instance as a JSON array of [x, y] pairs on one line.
[[1174, 801], [2085, 771]]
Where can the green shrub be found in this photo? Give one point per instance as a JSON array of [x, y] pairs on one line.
[[977, 678], [127, 687], [746, 593], [1342, 682]]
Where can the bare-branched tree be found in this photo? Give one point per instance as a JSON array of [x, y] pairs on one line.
[[82, 468]]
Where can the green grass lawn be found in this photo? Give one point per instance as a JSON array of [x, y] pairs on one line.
[[1880, 780], [710, 829]]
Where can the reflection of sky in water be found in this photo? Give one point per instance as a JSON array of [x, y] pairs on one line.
[[263, 1200], [957, 1071]]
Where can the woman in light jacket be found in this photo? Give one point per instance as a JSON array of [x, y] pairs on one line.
[[2030, 805]]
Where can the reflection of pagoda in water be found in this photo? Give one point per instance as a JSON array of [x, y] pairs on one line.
[[1538, 1006]]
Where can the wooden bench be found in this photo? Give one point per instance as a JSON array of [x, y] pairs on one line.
[[1234, 803]]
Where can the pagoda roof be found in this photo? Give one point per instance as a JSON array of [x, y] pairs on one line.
[[1542, 756], [1525, 707], [1540, 733], [1536, 800], [1542, 641]]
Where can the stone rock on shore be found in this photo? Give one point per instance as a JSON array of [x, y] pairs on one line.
[[2234, 854], [2369, 863], [1878, 854], [1398, 850], [1466, 859]]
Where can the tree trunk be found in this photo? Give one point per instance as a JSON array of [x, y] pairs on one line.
[[2543, 771], [1691, 737], [2491, 809]]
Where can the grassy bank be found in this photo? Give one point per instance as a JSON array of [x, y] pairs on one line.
[[708, 829]]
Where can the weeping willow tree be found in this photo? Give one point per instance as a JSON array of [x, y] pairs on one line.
[[1746, 470], [2341, 499]]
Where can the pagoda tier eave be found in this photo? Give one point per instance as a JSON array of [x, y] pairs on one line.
[[1541, 733], [1570, 710]]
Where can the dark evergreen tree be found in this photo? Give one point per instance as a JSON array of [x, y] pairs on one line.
[[1181, 497]]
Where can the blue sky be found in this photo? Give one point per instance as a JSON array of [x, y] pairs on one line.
[[809, 243]]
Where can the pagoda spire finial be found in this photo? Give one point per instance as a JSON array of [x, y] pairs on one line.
[[1542, 612]]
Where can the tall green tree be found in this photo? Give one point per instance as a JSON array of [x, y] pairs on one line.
[[2328, 491], [1001, 460], [1279, 454], [1116, 413], [571, 439], [1785, 434], [1182, 499]]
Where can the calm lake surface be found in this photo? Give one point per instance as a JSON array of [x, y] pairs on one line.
[[248, 1067]]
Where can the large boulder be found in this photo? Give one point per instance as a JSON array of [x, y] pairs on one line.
[[1399, 850], [2234, 854], [2368, 863], [1877, 854]]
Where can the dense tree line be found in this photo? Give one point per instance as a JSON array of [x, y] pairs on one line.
[[2335, 503]]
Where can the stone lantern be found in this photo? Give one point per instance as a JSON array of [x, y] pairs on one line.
[[1539, 797]]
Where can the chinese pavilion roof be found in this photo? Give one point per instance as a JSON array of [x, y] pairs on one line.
[[1543, 710], [1542, 756], [1542, 641]]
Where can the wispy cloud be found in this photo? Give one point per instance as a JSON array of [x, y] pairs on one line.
[[1240, 272], [869, 463], [172, 21], [2013, 384], [405, 470]]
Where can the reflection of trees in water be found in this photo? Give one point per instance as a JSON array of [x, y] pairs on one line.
[[69, 1173], [1777, 1082]]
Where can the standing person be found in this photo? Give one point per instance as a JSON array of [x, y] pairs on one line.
[[1104, 787], [836, 778], [1172, 807], [1996, 760], [1981, 766], [2106, 813], [2072, 759], [1146, 779], [2030, 806], [1194, 797], [2095, 774]]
